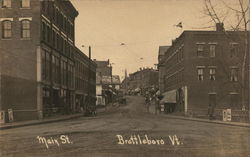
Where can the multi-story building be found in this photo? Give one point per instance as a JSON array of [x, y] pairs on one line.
[[204, 68], [85, 79], [142, 80], [106, 84], [41, 71], [104, 68], [161, 67]]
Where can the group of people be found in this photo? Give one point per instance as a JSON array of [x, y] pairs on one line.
[[153, 98]]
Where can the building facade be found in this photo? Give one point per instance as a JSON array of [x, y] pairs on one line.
[[39, 61], [141, 80], [204, 68], [104, 68], [107, 85], [161, 67]]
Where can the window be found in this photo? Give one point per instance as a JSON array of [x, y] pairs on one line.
[[212, 74], [25, 3], [53, 38], [57, 16], [200, 49], [234, 74], [57, 41], [25, 29], [200, 74], [63, 72], [43, 31], [71, 30], [60, 42], [43, 65], [234, 49], [64, 22], [212, 50], [60, 19], [64, 46], [53, 12], [6, 4], [6, 29], [53, 68], [48, 31], [48, 66], [57, 70], [70, 75]]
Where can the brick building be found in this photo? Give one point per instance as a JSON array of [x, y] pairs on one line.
[[104, 68], [205, 67], [161, 67], [143, 79], [42, 72], [107, 84]]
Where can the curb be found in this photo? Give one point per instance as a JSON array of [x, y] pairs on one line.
[[210, 121], [38, 122]]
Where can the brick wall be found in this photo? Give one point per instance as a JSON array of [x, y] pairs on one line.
[[18, 62], [198, 91]]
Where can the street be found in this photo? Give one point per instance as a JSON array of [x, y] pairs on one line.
[[109, 134]]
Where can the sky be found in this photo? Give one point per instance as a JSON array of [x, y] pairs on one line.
[[142, 25]]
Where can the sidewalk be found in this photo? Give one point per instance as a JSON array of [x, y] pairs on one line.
[[42, 121], [240, 124], [47, 120]]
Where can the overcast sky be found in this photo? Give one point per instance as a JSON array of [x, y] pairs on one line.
[[143, 25]]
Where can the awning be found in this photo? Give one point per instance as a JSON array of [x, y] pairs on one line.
[[169, 97]]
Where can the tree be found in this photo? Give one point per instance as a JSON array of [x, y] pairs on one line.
[[239, 13]]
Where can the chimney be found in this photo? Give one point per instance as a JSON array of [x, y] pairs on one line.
[[219, 27]]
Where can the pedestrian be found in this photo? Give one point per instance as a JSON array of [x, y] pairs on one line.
[[210, 111], [147, 102], [157, 102]]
